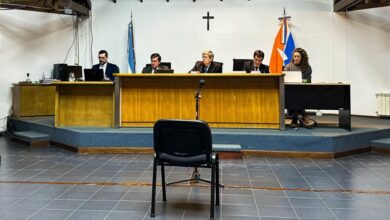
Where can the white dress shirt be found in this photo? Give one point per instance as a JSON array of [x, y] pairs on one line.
[[103, 67]]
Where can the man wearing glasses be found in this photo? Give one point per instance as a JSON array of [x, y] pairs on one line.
[[108, 68]]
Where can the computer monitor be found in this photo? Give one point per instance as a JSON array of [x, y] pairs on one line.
[[77, 70], [93, 74], [60, 71]]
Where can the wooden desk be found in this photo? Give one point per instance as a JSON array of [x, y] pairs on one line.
[[33, 100], [228, 100], [324, 96], [84, 104]]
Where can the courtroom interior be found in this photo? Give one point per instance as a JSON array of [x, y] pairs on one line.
[[194, 109]]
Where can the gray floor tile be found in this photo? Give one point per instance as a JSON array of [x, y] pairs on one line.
[[240, 210], [307, 203], [65, 204], [107, 195], [136, 206], [125, 215], [88, 215], [279, 212], [314, 213], [51, 214], [98, 205]]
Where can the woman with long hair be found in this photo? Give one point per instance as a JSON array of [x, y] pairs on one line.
[[300, 62]]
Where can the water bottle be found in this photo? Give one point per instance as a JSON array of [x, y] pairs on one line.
[[72, 78], [28, 78]]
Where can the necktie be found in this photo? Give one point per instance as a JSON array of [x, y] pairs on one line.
[[206, 69]]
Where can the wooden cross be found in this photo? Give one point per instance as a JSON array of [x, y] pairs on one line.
[[208, 17]]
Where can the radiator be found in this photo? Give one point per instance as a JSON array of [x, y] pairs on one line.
[[383, 104]]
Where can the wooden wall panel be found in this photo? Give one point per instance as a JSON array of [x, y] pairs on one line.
[[33, 100], [85, 104], [228, 100]]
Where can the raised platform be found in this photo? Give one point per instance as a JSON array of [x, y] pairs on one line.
[[322, 142]]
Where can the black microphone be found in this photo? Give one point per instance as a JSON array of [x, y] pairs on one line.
[[201, 83]]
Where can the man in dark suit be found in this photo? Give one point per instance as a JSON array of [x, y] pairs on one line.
[[108, 68], [155, 64], [256, 64], [207, 65]]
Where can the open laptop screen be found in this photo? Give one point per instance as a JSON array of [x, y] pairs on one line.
[[93, 74], [292, 76]]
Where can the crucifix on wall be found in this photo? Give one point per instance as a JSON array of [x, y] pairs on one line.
[[208, 17]]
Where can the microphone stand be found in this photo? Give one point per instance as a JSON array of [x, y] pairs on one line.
[[198, 96], [195, 177]]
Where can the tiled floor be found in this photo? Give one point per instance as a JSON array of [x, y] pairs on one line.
[[50, 183]]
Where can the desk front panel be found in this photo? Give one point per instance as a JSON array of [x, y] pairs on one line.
[[233, 101], [85, 104], [324, 96], [33, 100]]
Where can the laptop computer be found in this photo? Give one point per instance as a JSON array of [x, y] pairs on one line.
[[93, 74], [165, 71], [292, 76]]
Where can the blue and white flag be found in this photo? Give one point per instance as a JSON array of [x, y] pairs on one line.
[[289, 43], [130, 49], [283, 47]]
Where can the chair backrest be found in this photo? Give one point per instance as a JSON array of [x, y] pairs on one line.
[[168, 64], [238, 64], [182, 138]]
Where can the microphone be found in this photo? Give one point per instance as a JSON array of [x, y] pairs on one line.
[[201, 83]]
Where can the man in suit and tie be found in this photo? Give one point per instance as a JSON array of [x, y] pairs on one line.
[[256, 64], [108, 68], [155, 64], [207, 65]]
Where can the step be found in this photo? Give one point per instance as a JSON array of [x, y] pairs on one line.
[[384, 143], [32, 138], [228, 151], [381, 145]]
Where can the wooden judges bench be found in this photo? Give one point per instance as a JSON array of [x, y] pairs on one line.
[[228, 100], [138, 100]]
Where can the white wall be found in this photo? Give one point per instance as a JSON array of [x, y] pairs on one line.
[[350, 48], [363, 53], [30, 42]]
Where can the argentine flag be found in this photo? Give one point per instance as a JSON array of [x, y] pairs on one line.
[[283, 47]]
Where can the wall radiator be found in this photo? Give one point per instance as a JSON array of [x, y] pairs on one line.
[[383, 104]]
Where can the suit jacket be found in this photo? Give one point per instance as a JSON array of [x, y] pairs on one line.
[[249, 67], [110, 69], [148, 68], [214, 67]]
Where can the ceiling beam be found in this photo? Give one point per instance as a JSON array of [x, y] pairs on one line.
[[351, 5], [343, 5], [49, 6]]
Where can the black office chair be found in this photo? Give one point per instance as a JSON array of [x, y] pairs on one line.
[[238, 64], [168, 64], [185, 143]]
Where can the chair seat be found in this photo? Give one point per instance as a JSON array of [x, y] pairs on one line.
[[183, 161]]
